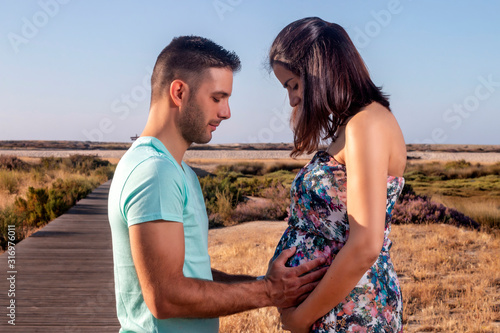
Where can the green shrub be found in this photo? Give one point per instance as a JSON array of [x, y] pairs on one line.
[[461, 164], [9, 217], [43, 205], [58, 203], [293, 167], [50, 163], [221, 196], [226, 190], [105, 173], [221, 214], [277, 178], [84, 164], [273, 206], [249, 186], [32, 209], [244, 168], [75, 189]]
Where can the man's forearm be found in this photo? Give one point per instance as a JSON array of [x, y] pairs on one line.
[[193, 298], [219, 276]]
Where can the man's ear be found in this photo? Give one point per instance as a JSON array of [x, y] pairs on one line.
[[178, 92]]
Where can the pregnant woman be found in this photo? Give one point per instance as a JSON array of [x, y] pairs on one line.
[[341, 201]]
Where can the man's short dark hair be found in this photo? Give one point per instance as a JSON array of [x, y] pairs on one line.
[[186, 58]]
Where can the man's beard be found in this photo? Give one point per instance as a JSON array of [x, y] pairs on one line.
[[192, 124]]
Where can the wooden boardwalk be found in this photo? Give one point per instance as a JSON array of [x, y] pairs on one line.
[[64, 274]]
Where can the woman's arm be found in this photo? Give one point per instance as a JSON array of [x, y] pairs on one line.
[[367, 145]]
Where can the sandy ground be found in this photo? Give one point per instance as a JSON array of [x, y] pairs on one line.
[[252, 154]]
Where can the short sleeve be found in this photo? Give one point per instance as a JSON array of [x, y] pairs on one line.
[[154, 190]]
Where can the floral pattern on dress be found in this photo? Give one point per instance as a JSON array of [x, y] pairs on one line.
[[318, 226]]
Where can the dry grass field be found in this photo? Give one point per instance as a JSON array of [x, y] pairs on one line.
[[450, 277]]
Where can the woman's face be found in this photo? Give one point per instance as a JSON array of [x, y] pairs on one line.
[[291, 83]]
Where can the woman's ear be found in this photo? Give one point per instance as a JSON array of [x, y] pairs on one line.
[[178, 92]]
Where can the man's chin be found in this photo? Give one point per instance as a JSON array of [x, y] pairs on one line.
[[203, 141]]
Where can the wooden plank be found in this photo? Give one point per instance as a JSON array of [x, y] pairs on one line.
[[64, 274]]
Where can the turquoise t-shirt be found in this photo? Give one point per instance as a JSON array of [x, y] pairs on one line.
[[150, 185]]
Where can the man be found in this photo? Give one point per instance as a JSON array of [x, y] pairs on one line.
[[163, 278]]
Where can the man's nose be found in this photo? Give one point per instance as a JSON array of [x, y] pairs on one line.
[[225, 111]]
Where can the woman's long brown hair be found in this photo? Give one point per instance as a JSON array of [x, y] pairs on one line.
[[336, 83]]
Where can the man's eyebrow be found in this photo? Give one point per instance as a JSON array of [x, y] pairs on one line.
[[222, 93], [286, 82]]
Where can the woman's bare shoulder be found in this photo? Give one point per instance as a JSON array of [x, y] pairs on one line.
[[376, 127], [372, 115]]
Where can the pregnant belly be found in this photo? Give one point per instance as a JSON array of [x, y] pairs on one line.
[[309, 246]]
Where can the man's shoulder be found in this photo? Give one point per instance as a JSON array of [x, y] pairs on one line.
[[141, 150], [152, 166], [147, 154], [145, 164]]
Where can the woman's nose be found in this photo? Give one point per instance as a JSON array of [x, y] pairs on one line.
[[294, 101]]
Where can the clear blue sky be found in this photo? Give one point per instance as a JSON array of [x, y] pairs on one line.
[[79, 70]]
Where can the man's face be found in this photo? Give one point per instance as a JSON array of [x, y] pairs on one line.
[[207, 107]]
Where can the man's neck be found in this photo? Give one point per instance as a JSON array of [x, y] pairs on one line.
[[176, 149], [161, 125]]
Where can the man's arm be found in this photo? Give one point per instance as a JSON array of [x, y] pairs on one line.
[[220, 276], [158, 254]]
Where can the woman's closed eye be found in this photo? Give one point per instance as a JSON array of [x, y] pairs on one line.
[[292, 87]]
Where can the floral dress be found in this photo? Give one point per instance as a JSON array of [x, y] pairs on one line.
[[318, 227]]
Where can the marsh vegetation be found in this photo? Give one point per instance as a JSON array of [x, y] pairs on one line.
[[35, 191]]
